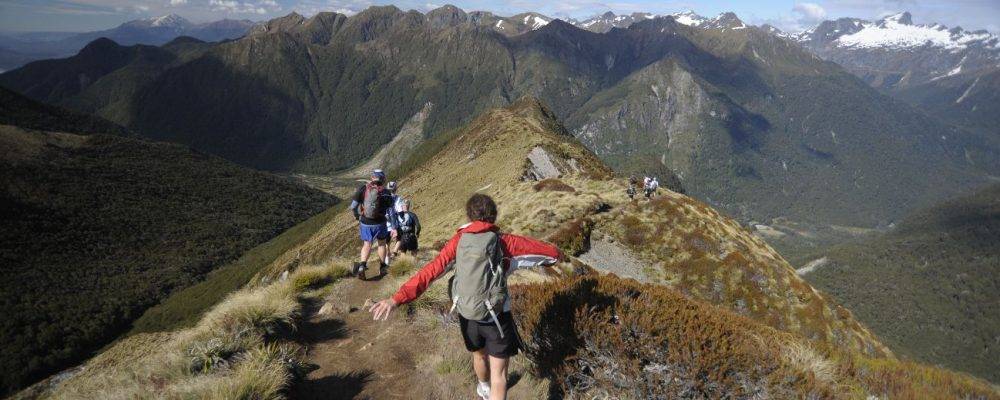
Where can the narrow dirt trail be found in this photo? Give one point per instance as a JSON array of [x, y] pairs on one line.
[[405, 357]]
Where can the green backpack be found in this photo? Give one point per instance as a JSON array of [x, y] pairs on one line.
[[478, 289]]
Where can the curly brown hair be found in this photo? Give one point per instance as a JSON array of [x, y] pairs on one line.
[[481, 207]]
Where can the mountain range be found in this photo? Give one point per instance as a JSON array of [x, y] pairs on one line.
[[950, 72], [17, 49], [749, 121]]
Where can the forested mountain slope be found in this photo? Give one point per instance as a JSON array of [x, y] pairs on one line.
[[97, 228], [931, 286]]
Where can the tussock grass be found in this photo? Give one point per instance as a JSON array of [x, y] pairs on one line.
[[311, 277], [455, 363], [554, 185], [403, 265], [236, 350]]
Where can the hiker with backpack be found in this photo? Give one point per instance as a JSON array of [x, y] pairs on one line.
[[392, 241], [631, 187], [372, 207], [650, 186], [481, 257], [409, 228]]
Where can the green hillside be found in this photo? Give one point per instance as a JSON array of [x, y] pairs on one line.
[[930, 287], [98, 228], [749, 122]]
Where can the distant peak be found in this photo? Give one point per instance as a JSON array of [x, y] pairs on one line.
[[183, 40], [689, 18], [729, 17], [100, 44], [903, 18], [608, 15], [448, 7], [168, 21]]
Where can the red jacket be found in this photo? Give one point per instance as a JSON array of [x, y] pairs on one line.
[[513, 246]]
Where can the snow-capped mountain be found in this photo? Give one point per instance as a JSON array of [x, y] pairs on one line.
[[689, 18], [950, 72], [896, 32], [171, 21], [514, 25], [604, 22], [894, 51]]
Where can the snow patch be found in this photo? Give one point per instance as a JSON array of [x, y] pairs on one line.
[[967, 91], [688, 18], [812, 265], [535, 22]]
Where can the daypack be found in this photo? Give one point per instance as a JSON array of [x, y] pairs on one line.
[[478, 289], [371, 204]]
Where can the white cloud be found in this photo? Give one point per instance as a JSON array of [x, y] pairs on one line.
[[176, 3], [346, 7], [259, 7], [809, 11]]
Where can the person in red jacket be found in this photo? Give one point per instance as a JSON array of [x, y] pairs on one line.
[[492, 341]]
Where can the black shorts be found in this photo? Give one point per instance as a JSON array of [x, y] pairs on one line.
[[407, 242], [478, 335]]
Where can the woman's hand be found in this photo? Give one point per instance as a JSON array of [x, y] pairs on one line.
[[381, 310]]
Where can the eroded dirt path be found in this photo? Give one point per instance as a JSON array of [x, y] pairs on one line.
[[410, 356]]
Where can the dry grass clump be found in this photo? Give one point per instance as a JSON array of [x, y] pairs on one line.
[[553, 185], [893, 379], [402, 265], [236, 351], [312, 277]]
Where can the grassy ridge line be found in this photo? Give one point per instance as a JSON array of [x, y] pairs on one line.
[[184, 308]]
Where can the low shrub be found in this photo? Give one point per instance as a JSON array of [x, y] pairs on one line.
[[605, 336], [553, 185], [600, 336], [573, 237], [635, 230]]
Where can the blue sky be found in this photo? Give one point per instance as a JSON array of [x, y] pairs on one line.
[[84, 15]]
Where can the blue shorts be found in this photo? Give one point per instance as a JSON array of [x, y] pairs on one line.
[[369, 233]]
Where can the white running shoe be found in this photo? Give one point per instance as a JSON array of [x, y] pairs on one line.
[[483, 391]]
